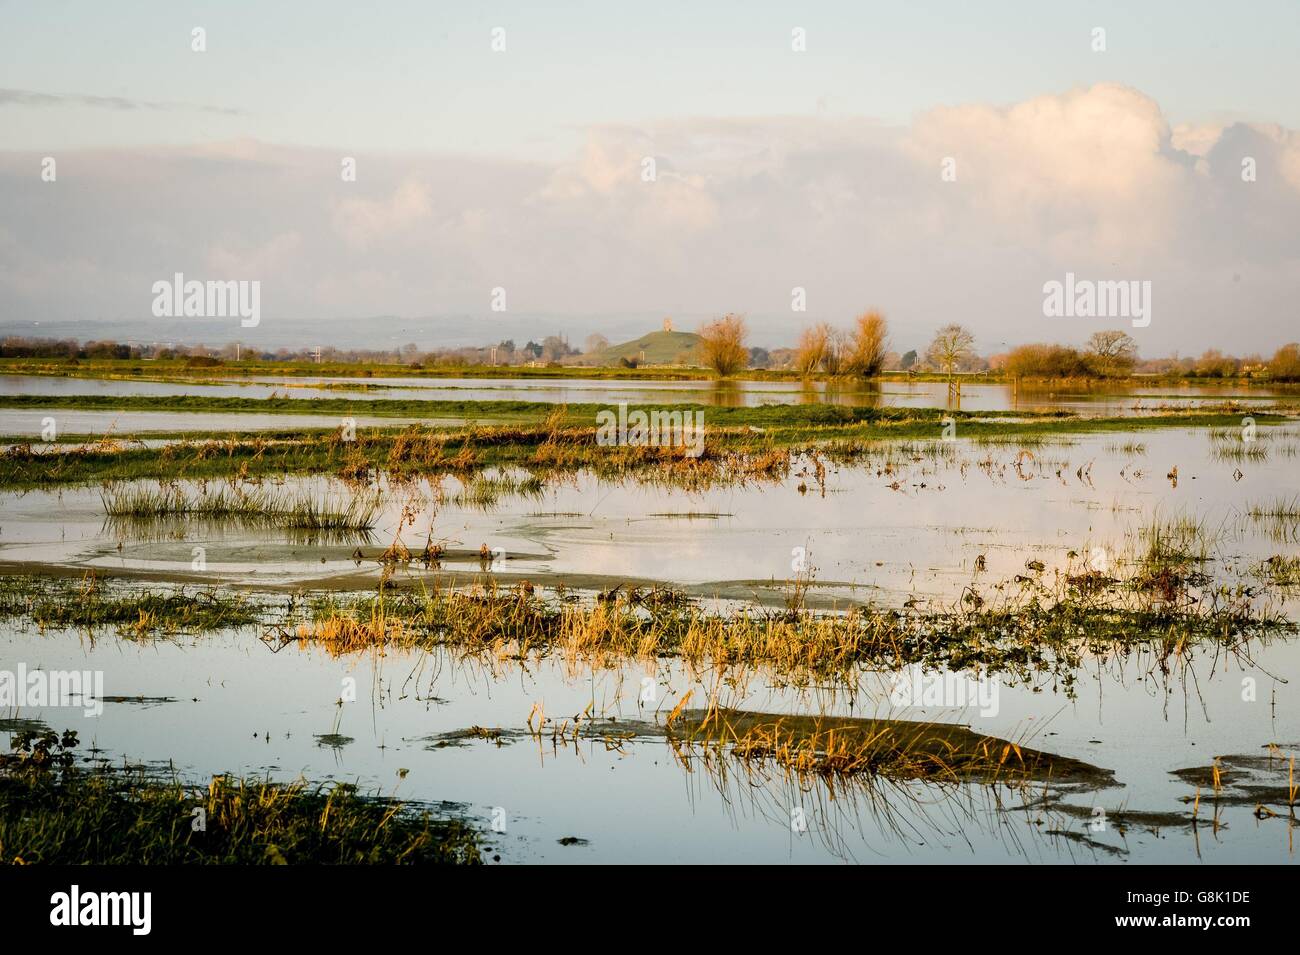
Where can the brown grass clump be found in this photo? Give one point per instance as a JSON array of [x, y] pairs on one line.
[[1026, 634], [828, 747]]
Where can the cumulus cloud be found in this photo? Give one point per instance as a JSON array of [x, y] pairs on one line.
[[360, 221], [738, 212]]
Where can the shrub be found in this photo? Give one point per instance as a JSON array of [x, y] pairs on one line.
[[1048, 361], [866, 352], [722, 345], [1285, 365]]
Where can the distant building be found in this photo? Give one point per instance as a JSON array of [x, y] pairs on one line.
[[668, 324]]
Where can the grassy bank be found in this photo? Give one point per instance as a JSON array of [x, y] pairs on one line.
[[63, 815], [808, 748]]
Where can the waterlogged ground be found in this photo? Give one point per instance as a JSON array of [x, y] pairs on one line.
[[231, 704], [917, 523], [914, 520], [1099, 399]]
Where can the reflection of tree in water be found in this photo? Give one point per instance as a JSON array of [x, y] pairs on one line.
[[810, 392], [727, 394], [853, 393], [848, 392]]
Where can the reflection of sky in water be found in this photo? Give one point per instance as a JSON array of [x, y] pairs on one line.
[[640, 805], [862, 532]]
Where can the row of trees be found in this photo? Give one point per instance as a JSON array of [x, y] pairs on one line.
[[17, 346], [552, 348], [860, 351], [1110, 354], [1107, 354]]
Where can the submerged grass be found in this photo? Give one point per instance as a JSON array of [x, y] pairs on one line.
[[277, 507], [484, 492], [1279, 509], [1281, 571], [549, 438], [1278, 519], [89, 603], [1023, 634]]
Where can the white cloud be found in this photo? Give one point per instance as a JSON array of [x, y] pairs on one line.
[[1089, 180], [361, 221]]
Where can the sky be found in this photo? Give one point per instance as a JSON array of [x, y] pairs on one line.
[[939, 161]]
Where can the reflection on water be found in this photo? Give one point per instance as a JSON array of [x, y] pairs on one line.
[[1097, 398], [914, 519], [855, 394], [236, 706], [727, 394]]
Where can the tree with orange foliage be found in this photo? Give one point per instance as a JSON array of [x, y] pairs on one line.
[[722, 345], [867, 347]]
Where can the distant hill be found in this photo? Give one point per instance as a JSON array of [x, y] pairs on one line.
[[661, 348]]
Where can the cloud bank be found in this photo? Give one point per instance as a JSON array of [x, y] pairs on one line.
[[962, 215]]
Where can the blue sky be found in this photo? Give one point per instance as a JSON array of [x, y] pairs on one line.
[[420, 76]]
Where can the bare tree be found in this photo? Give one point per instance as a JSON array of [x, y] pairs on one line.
[[812, 348], [595, 342], [555, 347], [837, 352], [952, 345], [1112, 351], [722, 345]]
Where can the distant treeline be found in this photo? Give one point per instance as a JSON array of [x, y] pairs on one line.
[[821, 349], [552, 348], [1117, 358]]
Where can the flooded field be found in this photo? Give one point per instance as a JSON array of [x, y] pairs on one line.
[[1095, 399], [1082, 647]]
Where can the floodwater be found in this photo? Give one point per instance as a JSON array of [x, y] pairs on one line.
[[1100, 399], [238, 707], [912, 522], [23, 422]]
